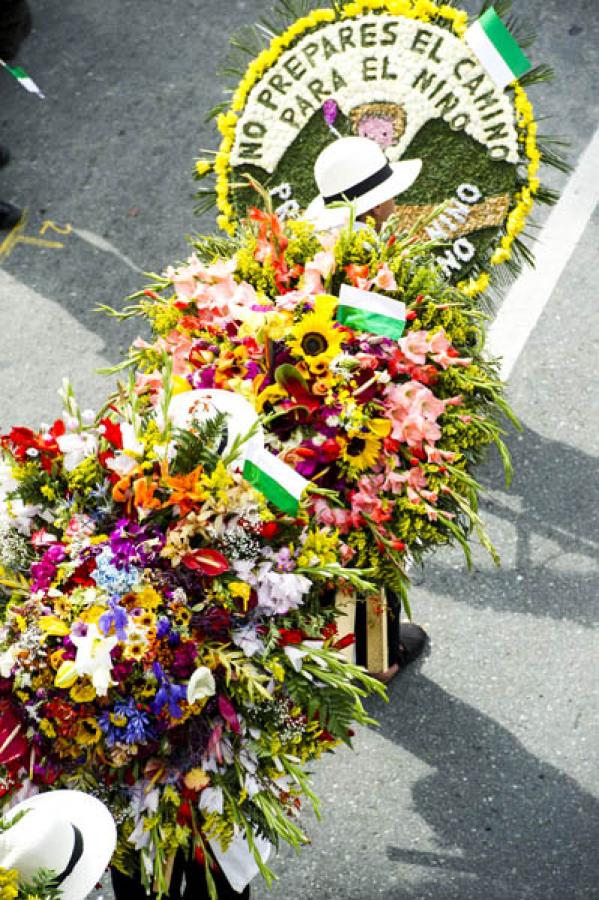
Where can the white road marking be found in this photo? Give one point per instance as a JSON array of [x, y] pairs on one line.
[[101, 243], [558, 240]]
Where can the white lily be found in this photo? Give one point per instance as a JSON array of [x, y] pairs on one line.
[[93, 658], [201, 684]]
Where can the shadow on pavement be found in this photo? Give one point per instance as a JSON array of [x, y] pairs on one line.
[[508, 826], [554, 498]]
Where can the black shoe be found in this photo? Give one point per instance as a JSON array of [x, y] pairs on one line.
[[9, 215], [412, 641], [4, 156]]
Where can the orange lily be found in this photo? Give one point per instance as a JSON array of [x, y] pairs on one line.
[[144, 490], [185, 489]]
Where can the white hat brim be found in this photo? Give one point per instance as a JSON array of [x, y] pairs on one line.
[[405, 173], [97, 828]]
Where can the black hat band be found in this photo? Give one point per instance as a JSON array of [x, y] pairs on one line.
[[363, 187], [75, 856]]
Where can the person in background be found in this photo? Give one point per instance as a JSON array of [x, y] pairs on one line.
[[356, 169], [15, 25]]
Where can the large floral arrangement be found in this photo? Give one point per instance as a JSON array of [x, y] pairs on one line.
[[162, 634], [389, 429], [402, 73]]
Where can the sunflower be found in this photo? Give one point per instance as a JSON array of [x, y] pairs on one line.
[[87, 732], [314, 338], [83, 693], [362, 451]]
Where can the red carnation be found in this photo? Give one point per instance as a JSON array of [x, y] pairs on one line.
[[289, 636]]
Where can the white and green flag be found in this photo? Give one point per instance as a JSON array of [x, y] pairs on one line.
[[279, 483], [497, 50], [23, 78], [371, 312]]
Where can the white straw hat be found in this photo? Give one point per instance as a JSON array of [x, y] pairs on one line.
[[356, 169], [204, 404], [68, 832]]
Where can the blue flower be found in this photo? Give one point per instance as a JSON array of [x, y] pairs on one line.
[[126, 724], [112, 579]]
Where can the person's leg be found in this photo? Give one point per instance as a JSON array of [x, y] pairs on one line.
[[125, 887], [406, 640], [196, 887]]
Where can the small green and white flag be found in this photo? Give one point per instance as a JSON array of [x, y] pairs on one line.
[[279, 483], [497, 50], [23, 78], [371, 312]]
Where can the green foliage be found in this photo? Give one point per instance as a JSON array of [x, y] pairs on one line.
[[199, 445], [209, 247], [41, 887]]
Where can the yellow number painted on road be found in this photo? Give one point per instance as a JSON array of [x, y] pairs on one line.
[[59, 229], [15, 236]]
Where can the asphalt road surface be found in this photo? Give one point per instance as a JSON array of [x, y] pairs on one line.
[[482, 781]]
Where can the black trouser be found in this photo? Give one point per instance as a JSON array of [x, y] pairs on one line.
[[393, 630], [127, 888]]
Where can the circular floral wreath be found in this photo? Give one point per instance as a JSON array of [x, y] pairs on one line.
[[498, 221]]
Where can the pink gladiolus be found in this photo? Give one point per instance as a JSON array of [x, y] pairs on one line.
[[385, 279], [414, 346], [437, 456], [214, 743], [179, 349], [151, 382], [414, 411], [323, 263], [312, 282], [330, 515]]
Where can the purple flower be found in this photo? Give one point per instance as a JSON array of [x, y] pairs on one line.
[[168, 694], [117, 616], [184, 660], [163, 627], [43, 572], [330, 111], [134, 544], [203, 378], [252, 369]]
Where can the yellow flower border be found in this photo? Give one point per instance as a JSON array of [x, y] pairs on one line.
[[425, 10]]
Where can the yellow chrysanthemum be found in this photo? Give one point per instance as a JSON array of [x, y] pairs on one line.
[[135, 649], [315, 338], [148, 598]]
